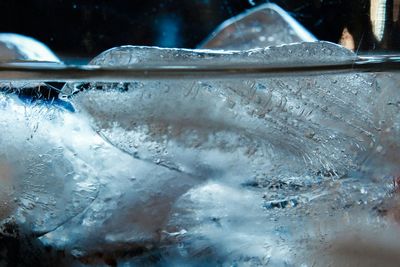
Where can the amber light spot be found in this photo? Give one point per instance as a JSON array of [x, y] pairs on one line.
[[378, 17], [347, 40]]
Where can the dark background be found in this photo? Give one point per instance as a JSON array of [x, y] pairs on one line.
[[85, 28]]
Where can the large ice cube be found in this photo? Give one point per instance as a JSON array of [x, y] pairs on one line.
[[320, 120], [59, 177], [271, 149], [182, 171], [265, 25]]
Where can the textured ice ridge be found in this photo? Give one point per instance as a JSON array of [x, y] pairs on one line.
[[299, 53]]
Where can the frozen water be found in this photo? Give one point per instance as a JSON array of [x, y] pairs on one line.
[[19, 48], [46, 181], [208, 172], [60, 176], [273, 167], [189, 125], [262, 26], [16, 47], [300, 54], [31, 185]]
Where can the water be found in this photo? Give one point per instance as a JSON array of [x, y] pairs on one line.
[[277, 156], [259, 166]]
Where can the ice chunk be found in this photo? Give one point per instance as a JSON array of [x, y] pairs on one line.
[[277, 152], [16, 47], [294, 55], [265, 25], [59, 176], [46, 182], [271, 149], [211, 125], [195, 172]]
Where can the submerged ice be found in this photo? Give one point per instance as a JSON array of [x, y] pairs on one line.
[[261, 171], [320, 121]]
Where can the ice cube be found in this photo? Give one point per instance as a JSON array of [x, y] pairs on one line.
[[323, 53], [16, 47], [275, 152], [62, 181], [243, 171], [46, 181], [262, 26], [209, 125]]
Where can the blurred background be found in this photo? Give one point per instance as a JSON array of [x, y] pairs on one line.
[[86, 28]]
